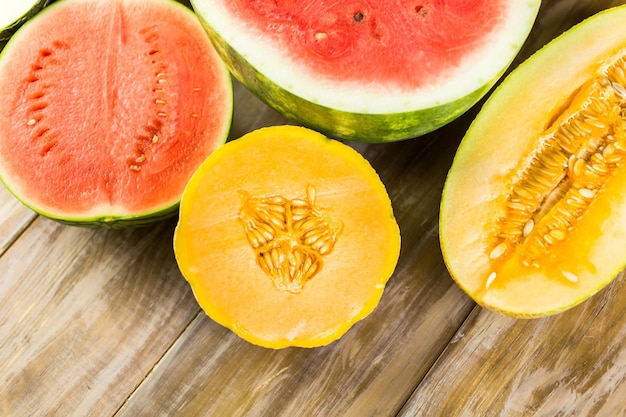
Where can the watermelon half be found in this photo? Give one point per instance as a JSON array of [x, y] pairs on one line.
[[365, 70], [107, 107]]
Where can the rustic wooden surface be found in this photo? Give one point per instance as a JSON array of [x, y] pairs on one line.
[[101, 323]]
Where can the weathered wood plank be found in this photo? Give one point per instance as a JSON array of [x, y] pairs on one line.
[[14, 218], [572, 364], [85, 315], [100, 322]]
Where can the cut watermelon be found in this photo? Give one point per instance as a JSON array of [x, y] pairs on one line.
[[108, 107], [370, 71], [14, 13]]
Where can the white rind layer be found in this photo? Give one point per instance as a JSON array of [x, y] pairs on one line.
[[485, 65], [12, 10]]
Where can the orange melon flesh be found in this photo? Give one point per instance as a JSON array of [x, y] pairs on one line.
[[107, 108], [216, 257], [542, 92]]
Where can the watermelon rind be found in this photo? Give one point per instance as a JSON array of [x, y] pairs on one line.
[[347, 111], [14, 13]]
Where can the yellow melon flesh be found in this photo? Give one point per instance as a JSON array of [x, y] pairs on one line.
[[225, 237], [547, 95]]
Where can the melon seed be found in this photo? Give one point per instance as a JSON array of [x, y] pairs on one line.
[[571, 277], [490, 279], [289, 237], [558, 181]]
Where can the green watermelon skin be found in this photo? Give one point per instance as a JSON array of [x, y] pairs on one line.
[[361, 127], [374, 127], [7, 32]]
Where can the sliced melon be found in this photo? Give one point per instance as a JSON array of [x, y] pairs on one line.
[[107, 108], [286, 237], [375, 71], [533, 213]]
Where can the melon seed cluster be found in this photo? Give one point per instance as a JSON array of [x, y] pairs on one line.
[[573, 161], [289, 237]]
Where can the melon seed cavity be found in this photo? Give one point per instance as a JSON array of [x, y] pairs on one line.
[[290, 238], [570, 166]]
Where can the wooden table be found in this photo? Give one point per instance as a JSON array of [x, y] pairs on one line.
[[101, 323]]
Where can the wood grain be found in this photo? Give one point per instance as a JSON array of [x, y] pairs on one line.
[[101, 323], [572, 364], [14, 218], [85, 315]]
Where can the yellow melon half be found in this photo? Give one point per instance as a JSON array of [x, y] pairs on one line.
[[286, 237], [533, 213]]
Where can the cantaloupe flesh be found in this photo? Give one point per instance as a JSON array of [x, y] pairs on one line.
[[506, 128], [218, 261]]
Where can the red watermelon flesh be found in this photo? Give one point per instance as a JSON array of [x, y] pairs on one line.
[[412, 42], [373, 71], [108, 107]]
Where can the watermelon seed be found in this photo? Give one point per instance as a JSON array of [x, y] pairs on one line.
[[162, 114], [155, 139], [160, 101], [38, 94], [140, 159], [358, 17], [41, 132], [320, 36], [38, 106], [194, 115], [135, 167], [31, 122], [48, 147]]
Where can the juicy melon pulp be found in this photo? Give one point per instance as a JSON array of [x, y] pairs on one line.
[[373, 72], [108, 107], [286, 237], [532, 214]]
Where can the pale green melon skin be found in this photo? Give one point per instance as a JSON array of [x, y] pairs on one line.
[[474, 142], [359, 127]]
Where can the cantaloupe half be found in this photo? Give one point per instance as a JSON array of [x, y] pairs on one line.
[[286, 237], [533, 213]]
